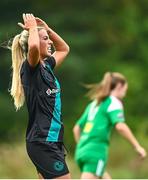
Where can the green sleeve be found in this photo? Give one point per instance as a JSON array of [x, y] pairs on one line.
[[82, 120], [116, 116]]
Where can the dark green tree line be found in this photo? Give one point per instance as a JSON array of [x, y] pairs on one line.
[[103, 36]]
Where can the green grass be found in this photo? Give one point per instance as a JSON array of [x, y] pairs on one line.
[[123, 162], [15, 163]]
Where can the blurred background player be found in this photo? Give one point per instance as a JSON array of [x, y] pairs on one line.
[[92, 131]]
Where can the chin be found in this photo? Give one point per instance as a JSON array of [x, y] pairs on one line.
[[48, 54], [122, 96]]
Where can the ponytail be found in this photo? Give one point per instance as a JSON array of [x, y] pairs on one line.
[[19, 53], [101, 90]]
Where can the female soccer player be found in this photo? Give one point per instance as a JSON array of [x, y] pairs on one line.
[[92, 131], [33, 80]]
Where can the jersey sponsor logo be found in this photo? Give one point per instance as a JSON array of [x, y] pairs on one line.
[[58, 165], [120, 115], [88, 127], [52, 91]]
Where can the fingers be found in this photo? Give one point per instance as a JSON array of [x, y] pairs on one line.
[[142, 153], [29, 21], [38, 20], [28, 16], [24, 17], [21, 25], [42, 23]]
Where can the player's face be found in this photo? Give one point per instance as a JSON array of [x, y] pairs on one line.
[[45, 44], [122, 90]]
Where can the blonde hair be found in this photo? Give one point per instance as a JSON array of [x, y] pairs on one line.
[[101, 90], [19, 54]]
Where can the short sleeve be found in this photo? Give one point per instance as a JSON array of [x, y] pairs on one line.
[[51, 61], [29, 69], [82, 120], [115, 111]]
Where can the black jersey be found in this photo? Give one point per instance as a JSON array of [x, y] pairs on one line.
[[42, 94]]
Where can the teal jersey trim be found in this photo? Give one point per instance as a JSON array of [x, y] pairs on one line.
[[55, 126]]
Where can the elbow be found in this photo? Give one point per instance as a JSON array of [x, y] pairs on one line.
[[76, 129], [34, 49], [67, 50], [120, 127]]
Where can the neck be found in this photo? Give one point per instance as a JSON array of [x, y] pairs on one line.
[[42, 60], [114, 93]]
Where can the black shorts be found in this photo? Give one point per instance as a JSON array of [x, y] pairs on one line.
[[48, 158]]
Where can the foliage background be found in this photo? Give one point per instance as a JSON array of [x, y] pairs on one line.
[[103, 35]]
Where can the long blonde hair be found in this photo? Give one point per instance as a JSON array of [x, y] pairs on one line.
[[19, 54], [101, 90]]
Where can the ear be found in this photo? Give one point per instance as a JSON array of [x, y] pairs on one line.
[[119, 86]]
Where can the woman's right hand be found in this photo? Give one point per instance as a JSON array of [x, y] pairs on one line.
[[29, 21], [141, 151]]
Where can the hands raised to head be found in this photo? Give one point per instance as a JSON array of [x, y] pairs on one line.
[[42, 23], [29, 21]]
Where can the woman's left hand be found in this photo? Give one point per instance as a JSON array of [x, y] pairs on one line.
[[141, 151], [41, 23]]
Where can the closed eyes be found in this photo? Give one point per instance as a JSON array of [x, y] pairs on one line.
[[45, 37]]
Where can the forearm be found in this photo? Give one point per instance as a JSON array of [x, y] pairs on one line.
[[124, 130], [76, 133], [33, 40], [33, 46], [59, 43]]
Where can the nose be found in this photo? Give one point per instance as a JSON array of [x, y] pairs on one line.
[[50, 41]]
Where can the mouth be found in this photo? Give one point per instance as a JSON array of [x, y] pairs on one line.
[[49, 50]]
